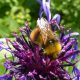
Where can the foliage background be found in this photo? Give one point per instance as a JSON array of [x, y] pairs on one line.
[[13, 14]]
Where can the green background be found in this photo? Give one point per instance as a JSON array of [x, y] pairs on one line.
[[13, 14]]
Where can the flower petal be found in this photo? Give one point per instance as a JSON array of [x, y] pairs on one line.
[[70, 35], [57, 18], [45, 7], [75, 48], [69, 54], [76, 73], [5, 77], [3, 46]]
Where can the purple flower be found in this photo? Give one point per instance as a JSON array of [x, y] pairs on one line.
[[2, 46], [29, 61], [6, 77], [45, 8], [76, 74], [57, 18]]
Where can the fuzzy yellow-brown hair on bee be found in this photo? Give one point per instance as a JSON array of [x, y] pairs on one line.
[[43, 36], [36, 37]]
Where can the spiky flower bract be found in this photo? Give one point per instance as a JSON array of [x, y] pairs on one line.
[[29, 61]]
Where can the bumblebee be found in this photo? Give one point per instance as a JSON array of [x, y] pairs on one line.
[[43, 36]]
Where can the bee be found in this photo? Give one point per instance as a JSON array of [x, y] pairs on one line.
[[43, 36]]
